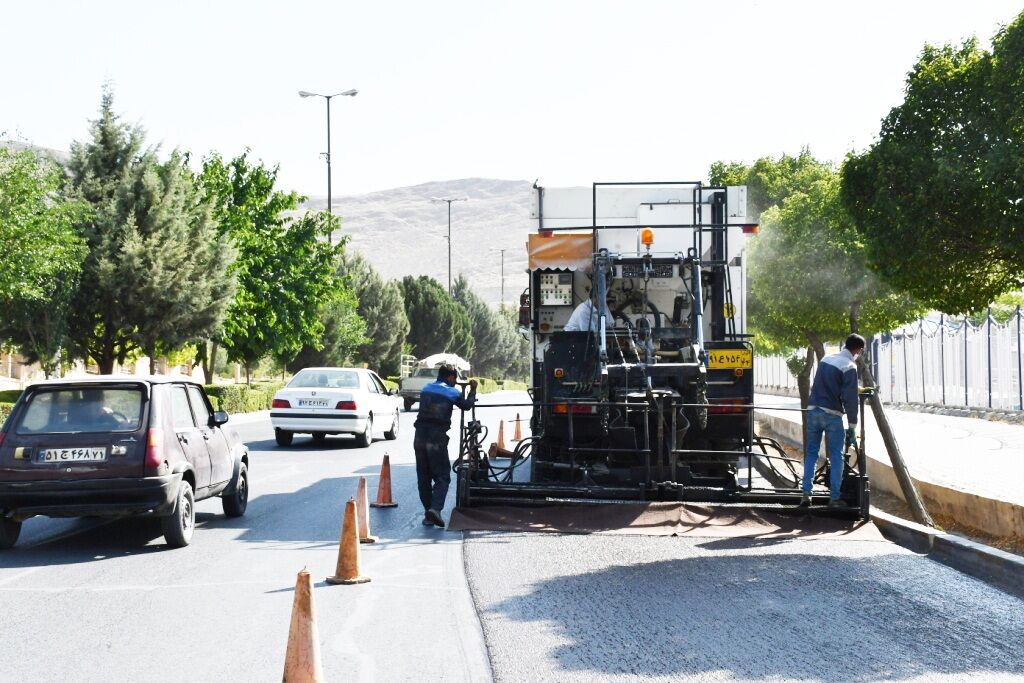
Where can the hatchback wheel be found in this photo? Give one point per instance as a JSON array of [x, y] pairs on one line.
[[366, 438], [282, 437], [392, 433], [234, 504], [10, 529], [319, 437], [179, 525]]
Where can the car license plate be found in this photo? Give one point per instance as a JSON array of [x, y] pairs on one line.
[[313, 402], [72, 455], [721, 359]]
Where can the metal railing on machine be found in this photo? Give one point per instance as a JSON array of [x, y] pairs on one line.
[[944, 361]]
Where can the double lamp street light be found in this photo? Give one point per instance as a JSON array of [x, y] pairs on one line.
[[327, 155]]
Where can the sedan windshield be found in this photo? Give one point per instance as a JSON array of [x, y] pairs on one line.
[[327, 379], [73, 410]]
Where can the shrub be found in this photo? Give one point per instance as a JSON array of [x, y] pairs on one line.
[[239, 398], [5, 411], [9, 395]]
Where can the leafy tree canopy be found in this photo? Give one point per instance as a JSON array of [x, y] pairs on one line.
[[436, 323], [382, 308], [939, 199]]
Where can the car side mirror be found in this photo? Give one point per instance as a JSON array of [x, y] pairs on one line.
[[220, 417]]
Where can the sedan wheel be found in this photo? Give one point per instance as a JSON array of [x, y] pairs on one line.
[[282, 437], [392, 433], [366, 438]]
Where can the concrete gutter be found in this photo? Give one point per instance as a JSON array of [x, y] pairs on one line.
[[991, 565]]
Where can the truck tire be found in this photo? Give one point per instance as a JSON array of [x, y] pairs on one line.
[[179, 525], [234, 504], [10, 529], [282, 437]]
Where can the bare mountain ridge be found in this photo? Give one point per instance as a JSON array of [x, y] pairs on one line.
[[401, 232]]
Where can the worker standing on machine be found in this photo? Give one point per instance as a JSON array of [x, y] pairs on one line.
[[834, 392], [585, 318], [433, 469]]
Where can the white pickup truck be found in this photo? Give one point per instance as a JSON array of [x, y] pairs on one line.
[[424, 373]]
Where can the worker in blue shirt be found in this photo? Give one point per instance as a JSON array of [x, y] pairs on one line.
[[834, 392], [433, 470]]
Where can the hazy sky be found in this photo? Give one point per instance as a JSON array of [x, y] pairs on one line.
[[569, 92]]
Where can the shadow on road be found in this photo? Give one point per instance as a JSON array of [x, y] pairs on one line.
[[767, 616]]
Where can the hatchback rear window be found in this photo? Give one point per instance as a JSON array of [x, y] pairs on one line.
[[426, 372], [73, 410], [328, 379]]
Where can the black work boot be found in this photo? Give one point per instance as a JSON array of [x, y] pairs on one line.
[[433, 517]]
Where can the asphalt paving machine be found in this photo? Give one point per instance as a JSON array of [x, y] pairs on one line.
[[652, 398]]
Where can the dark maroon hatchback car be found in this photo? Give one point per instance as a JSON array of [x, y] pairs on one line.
[[114, 446]]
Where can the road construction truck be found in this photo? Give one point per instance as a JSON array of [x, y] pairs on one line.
[[642, 379]]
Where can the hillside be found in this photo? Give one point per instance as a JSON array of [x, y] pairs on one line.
[[401, 232]]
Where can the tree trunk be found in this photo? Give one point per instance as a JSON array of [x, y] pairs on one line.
[[910, 492], [803, 383], [816, 344], [151, 354], [854, 317], [248, 376]]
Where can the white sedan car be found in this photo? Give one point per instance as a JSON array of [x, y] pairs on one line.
[[322, 401]]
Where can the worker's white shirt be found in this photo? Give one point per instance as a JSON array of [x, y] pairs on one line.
[[586, 319]]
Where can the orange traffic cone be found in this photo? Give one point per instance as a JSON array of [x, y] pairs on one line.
[[519, 430], [363, 513], [348, 572], [501, 435], [302, 659], [384, 487]]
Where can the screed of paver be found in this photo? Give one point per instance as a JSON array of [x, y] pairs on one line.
[[631, 608]]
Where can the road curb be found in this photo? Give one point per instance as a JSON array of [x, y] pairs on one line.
[[993, 566]]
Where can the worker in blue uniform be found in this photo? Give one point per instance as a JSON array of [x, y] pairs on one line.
[[833, 393], [433, 470]]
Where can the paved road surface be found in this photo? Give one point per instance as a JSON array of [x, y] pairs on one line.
[[632, 608], [93, 601]]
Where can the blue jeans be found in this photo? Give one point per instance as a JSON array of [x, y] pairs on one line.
[[433, 470], [819, 422]]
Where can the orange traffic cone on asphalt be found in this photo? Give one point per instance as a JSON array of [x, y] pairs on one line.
[[348, 571], [302, 662], [384, 487], [363, 513], [519, 430], [501, 435]]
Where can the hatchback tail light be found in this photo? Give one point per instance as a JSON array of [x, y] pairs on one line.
[[345, 405], [280, 403], [3, 435], [154, 448]]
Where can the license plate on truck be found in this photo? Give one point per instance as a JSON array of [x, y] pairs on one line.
[[729, 359], [71, 455]]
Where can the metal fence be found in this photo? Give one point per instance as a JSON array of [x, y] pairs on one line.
[[945, 361]]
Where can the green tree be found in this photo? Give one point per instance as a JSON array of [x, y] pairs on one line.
[[43, 255], [156, 271], [285, 274], [490, 354], [938, 198], [344, 334], [436, 323], [382, 307], [807, 269]]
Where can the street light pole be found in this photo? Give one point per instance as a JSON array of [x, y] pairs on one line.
[[449, 201], [502, 278], [327, 156]]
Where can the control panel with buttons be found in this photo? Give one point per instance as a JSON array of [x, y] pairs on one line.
[[555, 289]]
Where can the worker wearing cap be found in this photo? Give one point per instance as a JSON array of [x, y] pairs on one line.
[[834, 392], [433, 470]]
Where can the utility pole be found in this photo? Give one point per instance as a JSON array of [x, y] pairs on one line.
[[449, 201]]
